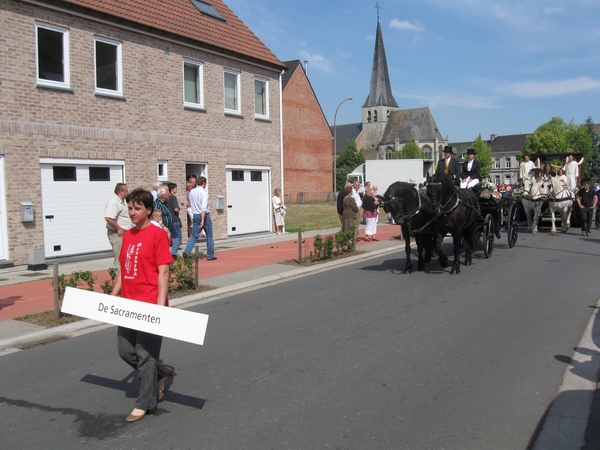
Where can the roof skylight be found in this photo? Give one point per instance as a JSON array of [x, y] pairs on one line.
[[207, 9]]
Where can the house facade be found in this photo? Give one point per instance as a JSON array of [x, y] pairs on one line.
[[505, 166], [96, 92], [307, 149]]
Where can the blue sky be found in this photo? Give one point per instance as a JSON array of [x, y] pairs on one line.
[[483, 66]]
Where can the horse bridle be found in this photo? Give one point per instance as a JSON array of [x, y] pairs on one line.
[[442, 208]]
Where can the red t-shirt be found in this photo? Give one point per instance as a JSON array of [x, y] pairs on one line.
[[141, 254]]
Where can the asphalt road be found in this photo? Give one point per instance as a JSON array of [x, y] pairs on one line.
[[359, 357]]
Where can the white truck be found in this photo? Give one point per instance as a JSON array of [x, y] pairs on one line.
[[383, 172]]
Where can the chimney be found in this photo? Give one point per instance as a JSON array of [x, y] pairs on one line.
[[493, 136], [306, 67]]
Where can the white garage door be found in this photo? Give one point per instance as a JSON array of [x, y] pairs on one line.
[[248, 200], [74, 194]]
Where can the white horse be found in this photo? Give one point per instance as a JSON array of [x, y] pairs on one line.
[[534, 195], [560, 200]]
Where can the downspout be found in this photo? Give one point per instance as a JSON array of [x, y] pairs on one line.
[[281, 137]]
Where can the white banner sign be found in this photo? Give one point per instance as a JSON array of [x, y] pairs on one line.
[[169, 322]]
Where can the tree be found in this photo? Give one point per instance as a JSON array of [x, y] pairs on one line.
[[411, 151], [557, 136], [483, 154], [595, 158], [348, 160]]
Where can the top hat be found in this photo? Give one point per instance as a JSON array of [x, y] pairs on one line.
[[470, 151], [448, 149]]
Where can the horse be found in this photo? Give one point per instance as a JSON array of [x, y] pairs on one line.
[[457, 211], [533, 197], [412, 210], [560, 200]]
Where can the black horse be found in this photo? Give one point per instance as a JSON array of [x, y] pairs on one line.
[[413, 212], [457, 211]]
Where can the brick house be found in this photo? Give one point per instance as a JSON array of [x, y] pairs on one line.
[[96, 92], [307, 148]]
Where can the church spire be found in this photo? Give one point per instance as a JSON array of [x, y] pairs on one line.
[[380, 93]]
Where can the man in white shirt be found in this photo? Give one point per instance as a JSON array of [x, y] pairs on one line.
[[526, 167], [571, 169], [117, 219], [201, 220]]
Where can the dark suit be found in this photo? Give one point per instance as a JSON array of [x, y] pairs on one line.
[[453, 168], [475, 171]]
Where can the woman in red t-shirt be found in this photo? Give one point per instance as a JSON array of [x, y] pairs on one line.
[[144, 276]]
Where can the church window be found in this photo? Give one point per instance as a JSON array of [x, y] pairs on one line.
[[388, 153], [369, 116], [374, 116], [427, 152]]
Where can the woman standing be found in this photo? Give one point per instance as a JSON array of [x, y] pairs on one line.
[[278, 210], [350, 211], [371, 207], [144, 276]]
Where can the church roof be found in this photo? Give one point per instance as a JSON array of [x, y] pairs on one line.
[[345, 133], [407, 124], [181, 20], [380, 92]]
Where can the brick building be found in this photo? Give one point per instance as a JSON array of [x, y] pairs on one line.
[[95, 92], [307, 149]]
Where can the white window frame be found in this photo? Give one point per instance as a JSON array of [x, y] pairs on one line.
[[265, 82], [66, 84], [238, 109], [507, 179], [507, 163], [165, 166], [497, 179], [496, 163], [119, 62], [199, 84]]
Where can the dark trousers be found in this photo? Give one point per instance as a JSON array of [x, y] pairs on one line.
[[142, 351], [586, 215]]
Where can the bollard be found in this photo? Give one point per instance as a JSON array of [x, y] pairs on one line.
[[56, 299], [299, 245], [196, 266]]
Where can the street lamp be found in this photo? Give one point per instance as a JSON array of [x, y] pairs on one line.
[[335, 140]]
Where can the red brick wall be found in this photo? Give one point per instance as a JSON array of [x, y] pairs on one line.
[[307, 142]]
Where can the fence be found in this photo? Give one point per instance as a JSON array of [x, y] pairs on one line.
[[309, 197]]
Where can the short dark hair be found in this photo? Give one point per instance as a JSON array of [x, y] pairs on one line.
[[142, 197], [201, 181], [171, 186]]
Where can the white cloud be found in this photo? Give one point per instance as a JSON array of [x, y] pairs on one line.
[[316, 61], [405, 25], [540, 89]]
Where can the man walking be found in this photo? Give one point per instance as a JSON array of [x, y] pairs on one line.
[[586, 199], [201, 220], [117, 220]]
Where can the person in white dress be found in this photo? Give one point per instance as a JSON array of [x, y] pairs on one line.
[[278, 210]]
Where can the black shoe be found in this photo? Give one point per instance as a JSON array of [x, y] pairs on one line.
[[211, 259], [175, 257], [185, 255]]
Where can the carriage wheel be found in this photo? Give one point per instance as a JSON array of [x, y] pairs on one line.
[[488, 235], [513, 225]]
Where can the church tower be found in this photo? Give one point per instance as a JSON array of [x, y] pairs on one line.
[[380, 102]]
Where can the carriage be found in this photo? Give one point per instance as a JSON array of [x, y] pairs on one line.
[[497, 211]]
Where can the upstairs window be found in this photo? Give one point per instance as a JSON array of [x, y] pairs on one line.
[[507, 163], [52, 54], [496, 164], [109, 77], [231, 83], [261, 98], [192, 84]]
